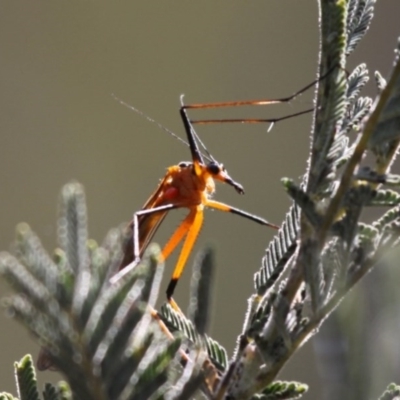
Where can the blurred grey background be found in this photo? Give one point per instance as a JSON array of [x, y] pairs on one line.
[[60, 63]]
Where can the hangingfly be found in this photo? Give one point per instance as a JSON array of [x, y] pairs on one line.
[[186, 185], [191, 185]]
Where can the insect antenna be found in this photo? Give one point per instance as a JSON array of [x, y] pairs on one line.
[[162, 127]]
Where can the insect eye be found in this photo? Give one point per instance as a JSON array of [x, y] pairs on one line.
[[183, 164], [214, 168]]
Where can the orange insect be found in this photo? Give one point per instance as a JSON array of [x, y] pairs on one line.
[[189, 185]]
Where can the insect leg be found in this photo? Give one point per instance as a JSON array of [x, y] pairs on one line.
[[261, 102], [191, 225], [224, 207], [136, 246]]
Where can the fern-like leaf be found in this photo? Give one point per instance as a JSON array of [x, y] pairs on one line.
[[280, 390], [380, 81], [278, 252], [110, 335], [7, 396], [26, 379], [360, 13], [392, 392], [175, 321]]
